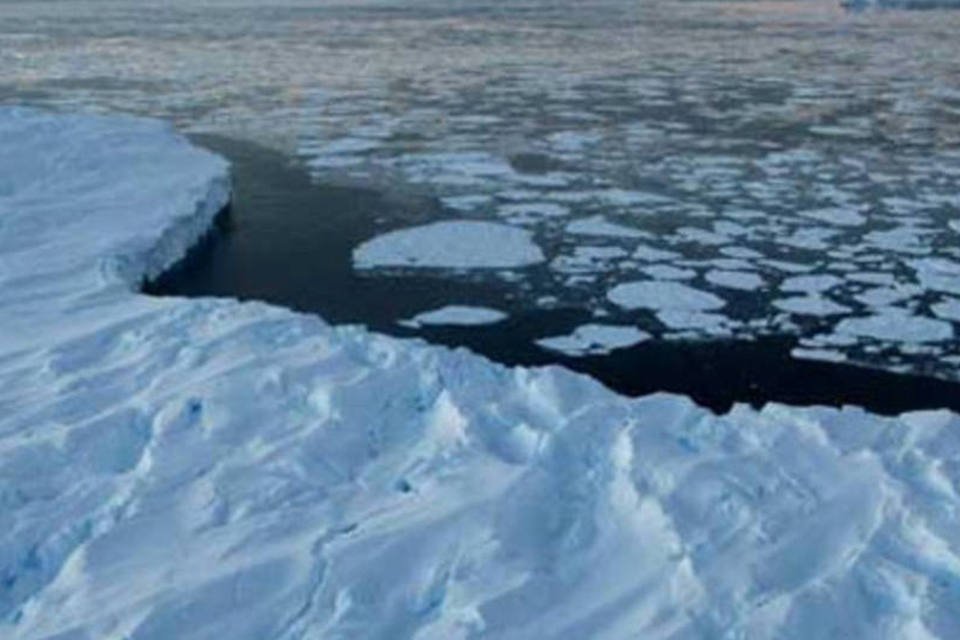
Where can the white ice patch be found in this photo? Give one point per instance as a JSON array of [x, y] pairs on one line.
[[531, 212], [741, 280], [811, 305], [651, 254], [600, 226], [595, 339], [588, 259], [896, 325], [822, 355], [872, 277], [938, 274], [743, 253], [668, 272], [886, 296], [671, 296], [810, 284], [457, 244], [470, 168], [842, 217], [461, 315], [699, 322], [948, 309]]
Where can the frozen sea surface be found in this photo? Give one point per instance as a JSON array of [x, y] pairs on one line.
[[176, 468]]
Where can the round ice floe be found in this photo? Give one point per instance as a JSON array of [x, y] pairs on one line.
[[810, 305], [532, 210], [948, 309], [938, 274], [822, 355], [593, 339], [457, 315], [743, 280], [599, 226], [668, 272], [787, 266], [885, 296], [897, 325], [652, 254], [458, 244], [810, 284], [838, 216], [663, 296], [697, 321]]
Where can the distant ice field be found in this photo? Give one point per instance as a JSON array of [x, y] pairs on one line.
[[786, 162]]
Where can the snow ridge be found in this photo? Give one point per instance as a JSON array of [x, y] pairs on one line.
[[213, 469]]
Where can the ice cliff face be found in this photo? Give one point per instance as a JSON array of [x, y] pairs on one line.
[[210, 469]]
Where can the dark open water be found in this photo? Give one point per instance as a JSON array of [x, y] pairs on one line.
[[288, 240]]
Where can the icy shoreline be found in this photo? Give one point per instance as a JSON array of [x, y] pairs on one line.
[[208, 468]]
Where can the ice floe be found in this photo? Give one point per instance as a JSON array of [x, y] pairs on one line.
[[892, 324], [595, 339], [462, 315], [657, 295], [453, 244], [742, 280], [811, 305], [599, 226]]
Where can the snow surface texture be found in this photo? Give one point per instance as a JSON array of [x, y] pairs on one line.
[[213, 469], [460, 244], [456, 315], [594, 339]]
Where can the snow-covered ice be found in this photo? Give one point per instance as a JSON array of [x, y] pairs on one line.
[[455, 244], [810, 284], [600, 226], [456, 314], [892, 324], [657, 295], [742, 280], [174, 468], [595, 339], [822, 355], [948, 309], [810, 305]]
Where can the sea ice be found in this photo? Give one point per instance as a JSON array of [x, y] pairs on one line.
[[742, 280], [840, 216], [594, 339], [948, 309], [454, 244], [600, 226], [462, 315], [895, 325], [658, 295], [810, 284], [811, 305]]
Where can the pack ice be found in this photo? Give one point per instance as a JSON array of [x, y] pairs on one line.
[[200, 469]]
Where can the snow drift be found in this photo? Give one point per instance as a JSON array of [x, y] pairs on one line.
[[211, 469]]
